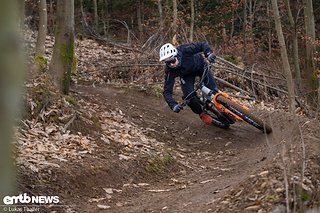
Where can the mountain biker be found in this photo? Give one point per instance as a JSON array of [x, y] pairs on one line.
[[186, 61]]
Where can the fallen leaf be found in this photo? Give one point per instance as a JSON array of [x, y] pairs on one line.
[[103, 206]]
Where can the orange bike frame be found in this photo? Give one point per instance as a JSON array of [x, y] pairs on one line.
[[223, 108]]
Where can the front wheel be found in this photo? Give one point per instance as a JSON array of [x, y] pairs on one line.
[[244, 114]]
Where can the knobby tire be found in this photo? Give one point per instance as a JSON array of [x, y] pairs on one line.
[[246, 115]]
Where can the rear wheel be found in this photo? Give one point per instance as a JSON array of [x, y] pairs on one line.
[[244, 114]]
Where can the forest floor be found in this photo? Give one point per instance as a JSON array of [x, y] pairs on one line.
[[128, 152], [197, 168]]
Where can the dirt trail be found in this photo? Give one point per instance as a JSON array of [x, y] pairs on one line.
[[216, 159], [209, 162]]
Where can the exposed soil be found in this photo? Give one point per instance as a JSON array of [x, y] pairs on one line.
[[204, 163], [182, 165]]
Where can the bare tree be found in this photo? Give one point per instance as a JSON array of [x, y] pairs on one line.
[[63, 58], [11, 77], [245, 23], [192, 20], [42, 31], [167, 13], [96, 17], [232, 24], [251, 13], [249, 17], [175, 17], [284, 56], [310, 33], [106, 21], [310, 44], [51, 18], [161, 20], [295, 45], [269, 29], [139, 18]]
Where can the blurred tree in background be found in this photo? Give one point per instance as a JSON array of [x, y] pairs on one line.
[[11, 66]]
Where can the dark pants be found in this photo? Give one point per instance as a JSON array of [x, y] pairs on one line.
[[187, 86]]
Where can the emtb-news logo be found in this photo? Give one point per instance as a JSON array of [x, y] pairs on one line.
[[26, 199]]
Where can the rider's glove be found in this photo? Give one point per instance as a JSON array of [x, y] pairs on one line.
[[176, 108], [212, 58]]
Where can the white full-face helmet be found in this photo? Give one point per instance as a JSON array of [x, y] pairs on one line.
[[167, 51]]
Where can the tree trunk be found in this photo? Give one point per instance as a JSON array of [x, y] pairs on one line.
[[11, 78], [232, 25], [192, 20], [139, 19], [284, 56], [96, 17], [269, 30], [167, 13], [252, 5], [295, 46], [106, 23], [245, 31], [63, 59], [310, 41], [296, 59], [42, 31], [51, 20], [252, 8], [175, 18], [161, 21]]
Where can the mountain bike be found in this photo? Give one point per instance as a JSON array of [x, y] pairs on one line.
[[224, 109]]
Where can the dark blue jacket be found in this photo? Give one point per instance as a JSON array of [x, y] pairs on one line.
[[191, 62]]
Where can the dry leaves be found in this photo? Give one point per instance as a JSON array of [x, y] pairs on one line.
[[43, 139], [38, 147]]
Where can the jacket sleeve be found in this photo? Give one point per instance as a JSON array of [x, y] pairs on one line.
[[194, 48], [168, 88]]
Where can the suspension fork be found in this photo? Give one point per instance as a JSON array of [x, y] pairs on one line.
[[223, 108], [219, 106]]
